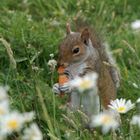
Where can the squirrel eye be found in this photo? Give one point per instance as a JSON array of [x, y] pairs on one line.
[[76, 50]]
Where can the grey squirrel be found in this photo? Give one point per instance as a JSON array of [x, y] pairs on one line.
[[81, 53]]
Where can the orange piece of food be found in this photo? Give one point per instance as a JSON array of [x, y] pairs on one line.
[[62, 77], [61, 70]]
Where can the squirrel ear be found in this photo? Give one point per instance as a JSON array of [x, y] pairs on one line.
[[85, 35], [68, 29]]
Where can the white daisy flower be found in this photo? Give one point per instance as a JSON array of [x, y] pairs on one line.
[[29, 17], [107, 120], [51, 55], [84, 83], [3, 93], [121, 105], [136, 120], [135, 25], [2, 137], [55, 23], [32, 133], [28, 117], [135, 85], [11, 122], [52, 64], [138, 100], [4, 107]]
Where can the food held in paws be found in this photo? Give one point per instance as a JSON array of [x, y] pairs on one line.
[[63, 78]]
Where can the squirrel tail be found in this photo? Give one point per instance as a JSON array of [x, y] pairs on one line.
[[114, 70], [80, 24]]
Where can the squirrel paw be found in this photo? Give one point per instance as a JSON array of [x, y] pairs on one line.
[[65, 88], [58, 89]]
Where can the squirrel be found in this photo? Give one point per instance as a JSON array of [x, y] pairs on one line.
[[81, 53]]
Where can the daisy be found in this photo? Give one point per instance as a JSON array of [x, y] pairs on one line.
[[135, 85], [3, 93], [138, 100], [106, 120], [52, 55], [4, 107], [32, 133], [52, 64], [135, 25], [28, 117], [11, 122], [84, 83], [121, 105], [2, 137], [136, 120]]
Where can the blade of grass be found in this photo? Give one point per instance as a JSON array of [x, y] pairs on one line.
[[45, 111], [9, 52]]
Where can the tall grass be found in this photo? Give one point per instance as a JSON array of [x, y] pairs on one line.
[[34, 28]]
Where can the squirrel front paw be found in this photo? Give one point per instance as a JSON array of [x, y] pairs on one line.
[[59, 89], [65, 88], [56, 88]]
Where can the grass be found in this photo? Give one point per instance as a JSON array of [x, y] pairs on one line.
[[34, 28]]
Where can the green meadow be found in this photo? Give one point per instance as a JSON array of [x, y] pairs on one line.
[[33, 29]]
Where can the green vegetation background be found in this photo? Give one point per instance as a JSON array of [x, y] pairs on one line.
[[35, 28]]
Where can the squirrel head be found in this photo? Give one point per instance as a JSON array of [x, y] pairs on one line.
[[74, 46]]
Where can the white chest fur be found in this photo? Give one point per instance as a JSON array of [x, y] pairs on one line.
[[88, 102], [76, 69]]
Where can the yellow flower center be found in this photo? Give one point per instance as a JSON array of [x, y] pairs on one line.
[[106, 119], [1, 111], [121, 109], [13, 124], [85, 84]]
